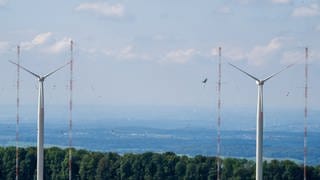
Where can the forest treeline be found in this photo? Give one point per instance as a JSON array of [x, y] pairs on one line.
[[88, 165]]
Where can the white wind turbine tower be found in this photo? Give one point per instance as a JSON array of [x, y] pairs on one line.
[[259, 133], [40, 137]]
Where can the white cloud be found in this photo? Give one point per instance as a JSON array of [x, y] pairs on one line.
[[59, 46], [41, 38], [235, 54], [281, 1], [127, 53], [259, 54], [3, 2], [307, 11], [38, 40], [103, 8], [180, 55]]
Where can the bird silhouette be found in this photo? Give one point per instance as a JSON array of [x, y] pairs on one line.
[[205, 80]]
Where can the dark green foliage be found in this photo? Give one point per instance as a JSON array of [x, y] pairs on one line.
[[28, 163], [108, 167], [180, 169], [89, 165], [2, 173], [282, 170], [8, 162], [53, 160]]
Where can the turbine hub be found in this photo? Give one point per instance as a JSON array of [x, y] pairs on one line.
[[260, 82]]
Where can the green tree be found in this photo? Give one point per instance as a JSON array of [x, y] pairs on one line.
[[108, 167], [2, 173], [244, 169], [88, 165], [126, 166], [95, 165], [28, 164], [77, 156], [137, 167], [292, 171], [53, 158], [202, 167], [191, 171], [180, 170], [157, 159], [227, 170], [150, 167], [9, 163], [212, 163], [169, 162], [103, 169]]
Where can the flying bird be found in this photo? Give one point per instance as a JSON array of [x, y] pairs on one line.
[[205, 80]]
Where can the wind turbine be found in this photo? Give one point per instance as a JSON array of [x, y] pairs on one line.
[[40, 117], [259, 133]]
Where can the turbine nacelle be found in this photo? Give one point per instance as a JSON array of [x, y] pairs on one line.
[[41, 79], [260, 83]]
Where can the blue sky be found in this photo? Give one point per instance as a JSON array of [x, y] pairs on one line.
[[143, 52]]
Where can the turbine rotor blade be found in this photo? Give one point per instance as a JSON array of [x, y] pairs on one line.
[[266, 79], [49, 74], [36, 75], [245, 72]]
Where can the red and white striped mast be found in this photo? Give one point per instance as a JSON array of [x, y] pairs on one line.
[[219, 117], [70, 109], [306, 73], [18, 110]]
